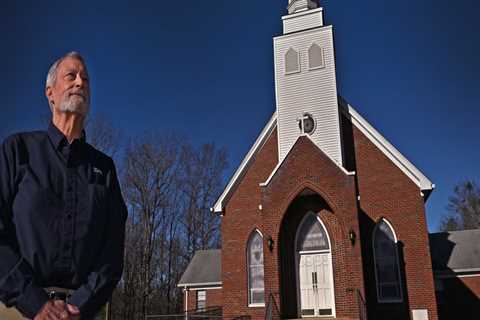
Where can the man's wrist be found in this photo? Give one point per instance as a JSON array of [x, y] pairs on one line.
[[31, 301]]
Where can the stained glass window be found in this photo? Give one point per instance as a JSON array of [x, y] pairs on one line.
[[312, 235], [255, 269], [386, 263]]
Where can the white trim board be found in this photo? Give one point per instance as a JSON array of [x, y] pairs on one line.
[[204, 284], [450, 276], [387, 148], [359, 122], [262, 138], [264, 184], [204, 288], [457, 273]]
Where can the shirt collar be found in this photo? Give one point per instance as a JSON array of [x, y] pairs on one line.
[[58, 138]]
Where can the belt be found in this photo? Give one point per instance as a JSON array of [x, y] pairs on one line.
[[56, 293]]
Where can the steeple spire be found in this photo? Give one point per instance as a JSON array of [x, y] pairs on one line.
[[305, 81], [295, 6]]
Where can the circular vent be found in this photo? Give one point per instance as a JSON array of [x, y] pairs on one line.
[[307, 124]]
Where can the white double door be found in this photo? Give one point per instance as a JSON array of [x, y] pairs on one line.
[[315, 284]]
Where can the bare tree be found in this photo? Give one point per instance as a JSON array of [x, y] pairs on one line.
[[202, 182], [150, 178], [103, 135], [169, 187], [463, 207]]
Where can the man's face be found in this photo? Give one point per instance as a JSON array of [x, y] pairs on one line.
[[71, 90]]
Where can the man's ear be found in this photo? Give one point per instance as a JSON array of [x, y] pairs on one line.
[[49, 95]]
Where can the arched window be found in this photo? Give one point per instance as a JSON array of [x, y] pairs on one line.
[[256, 286], [315, 57], [387, 272], [292, 61], [311, 235]]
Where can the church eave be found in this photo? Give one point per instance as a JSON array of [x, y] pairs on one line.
[[425, 185], [262, 138]]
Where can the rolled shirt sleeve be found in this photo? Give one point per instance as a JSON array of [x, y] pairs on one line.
[[17, 281], [102, 280]]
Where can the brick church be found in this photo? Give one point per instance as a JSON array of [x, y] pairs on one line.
[[323, 217]]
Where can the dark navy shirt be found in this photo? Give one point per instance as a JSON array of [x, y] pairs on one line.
[[62, 221]]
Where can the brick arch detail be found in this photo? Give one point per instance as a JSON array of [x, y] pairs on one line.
[[302, 186], [334, 209]]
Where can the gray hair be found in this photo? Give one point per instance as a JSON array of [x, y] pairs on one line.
[[52, 72]]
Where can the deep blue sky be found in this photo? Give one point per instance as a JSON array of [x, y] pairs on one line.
[[205, 70]]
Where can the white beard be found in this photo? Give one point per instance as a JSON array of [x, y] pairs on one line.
[[75, 104]]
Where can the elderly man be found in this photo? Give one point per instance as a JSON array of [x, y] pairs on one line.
[[62, 216]]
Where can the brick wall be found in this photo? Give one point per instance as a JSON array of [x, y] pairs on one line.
[[305, 167], [241, 217], [214, 298], [385, 192]]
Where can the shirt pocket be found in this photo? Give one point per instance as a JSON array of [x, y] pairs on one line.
[[37, 201], [36, 213]]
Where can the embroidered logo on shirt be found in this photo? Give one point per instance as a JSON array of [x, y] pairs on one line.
[[96, 170]]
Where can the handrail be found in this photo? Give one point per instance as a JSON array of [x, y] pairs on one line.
[[272, 312]]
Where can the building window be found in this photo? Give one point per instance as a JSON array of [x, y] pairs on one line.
[[256, 286], [387, 271], [315, 57], [311, 235], [201, 300], [292, 61]]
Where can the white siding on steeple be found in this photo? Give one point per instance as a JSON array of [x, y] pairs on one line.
[[309, 91], [303, 20]]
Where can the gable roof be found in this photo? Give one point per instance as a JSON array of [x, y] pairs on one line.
[[386, 147], [359, 122], [455, 251], [205, 269], [262, 138]]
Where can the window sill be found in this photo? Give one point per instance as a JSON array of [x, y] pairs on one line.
[[316, 68], [256, 305], [390, 301]]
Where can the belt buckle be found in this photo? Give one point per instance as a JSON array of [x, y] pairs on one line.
[[56, 295]]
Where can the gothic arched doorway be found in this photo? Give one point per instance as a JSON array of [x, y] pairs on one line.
[[315, 294], [305, 256]]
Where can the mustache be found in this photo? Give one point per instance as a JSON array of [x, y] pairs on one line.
[[81, 93]]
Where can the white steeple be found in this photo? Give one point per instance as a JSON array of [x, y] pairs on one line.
[[305, 81]]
